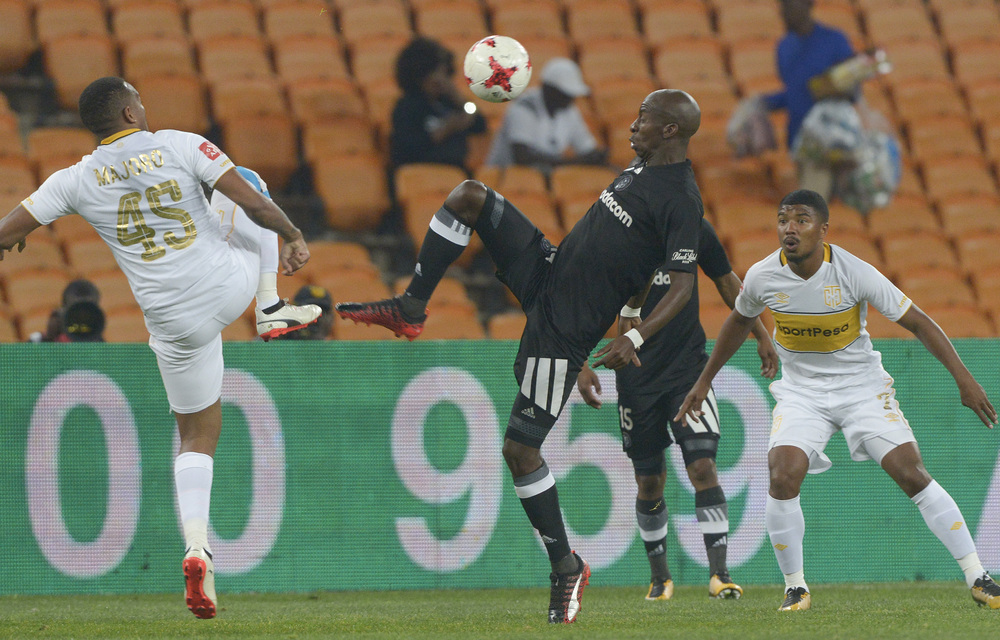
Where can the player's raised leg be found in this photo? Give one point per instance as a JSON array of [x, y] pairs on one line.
[[785, 523], [274, 315], [943, 517], [449, 233]]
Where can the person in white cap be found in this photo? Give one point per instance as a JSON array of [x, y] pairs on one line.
[[544, 127]]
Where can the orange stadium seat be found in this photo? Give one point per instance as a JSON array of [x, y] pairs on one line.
[[979, 252], [614, 59], [39, 290], [963, 322], [41, 252], [902, 215], [687, 19], [845, 218], [920, 98], [381, 98], [907, 252], [11, 144], [152, 18], [752, 60], [991, 139], [243, 97], [18, 41], [268, 143], [125, 325], [321, 99], [971, 22], [722, 178], [53, 148], [375, 59], [352, 284], [737, 217], [174, 102], [975, 62], [947, 177], [36, 321], [298, 18], [937, 287], [449, 18], [56, 19], [8, 330], [935, 136], [420, 179], [752, 249], [17, 182], [74, 61], [370, 21], [222, 19], [744, 21], [842, 16], [678, 62], [596, 19], [987, 285], [966, 215], [569, 181], [300, 57], [88, 256], [168, 55], [232, 57], [984, 100], [116, 294], [522, 19], [506, 326], [344, 136], [449, 291], [348, 207], [894, 23], [327, 255], [516, 181], [861, 246], [73, 228], [915, 59]]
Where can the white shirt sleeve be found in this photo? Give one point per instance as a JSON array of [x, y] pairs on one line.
[[206, 160], [750, 300], [55, 198], [870, 285]]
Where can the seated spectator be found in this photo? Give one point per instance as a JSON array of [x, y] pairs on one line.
[[84, 322], [429, 122], [319, 330], [544, 127], [80, 290]]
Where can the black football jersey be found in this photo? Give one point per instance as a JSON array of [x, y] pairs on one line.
[[647, 218], [677, 351]]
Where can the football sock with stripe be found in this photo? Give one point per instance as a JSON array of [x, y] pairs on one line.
[[653, 522], [193, 479], [267, 281], [444, 242], [786, 527], [945, 520], [537, 491], [713, 519]]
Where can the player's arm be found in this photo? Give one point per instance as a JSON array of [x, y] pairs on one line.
[[936, 341], [265, 213], [14, 228], [734, 331], [589, 385], [729, 287]]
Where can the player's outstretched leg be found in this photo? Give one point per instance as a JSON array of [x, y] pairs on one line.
[[199, 583], [449, 233], [566, 593], [282, 318]]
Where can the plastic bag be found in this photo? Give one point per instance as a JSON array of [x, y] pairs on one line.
[[749, 131]]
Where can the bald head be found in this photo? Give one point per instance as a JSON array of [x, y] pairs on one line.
[[676, 107]]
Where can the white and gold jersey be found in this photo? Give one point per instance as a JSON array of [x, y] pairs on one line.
[[819, 323], [142, 192]]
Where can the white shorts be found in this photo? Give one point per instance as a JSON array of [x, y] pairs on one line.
[[867, 414], [191, 367]]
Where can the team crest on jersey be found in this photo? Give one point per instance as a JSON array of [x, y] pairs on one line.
[[832, 296], [210, 150], [623, 182]]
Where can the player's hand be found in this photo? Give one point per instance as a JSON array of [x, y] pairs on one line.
[[768, 359], [616, 354], [294, 255], [974, 397], [20, 247], [627, 324], [590, 387], [691, 407]]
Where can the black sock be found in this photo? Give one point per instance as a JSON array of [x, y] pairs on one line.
[[274, 307], [652, 517], [713, 513], [538, 495], [444, 242]]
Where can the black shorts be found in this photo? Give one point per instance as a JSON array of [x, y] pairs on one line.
[[647, 425], [547, 364]]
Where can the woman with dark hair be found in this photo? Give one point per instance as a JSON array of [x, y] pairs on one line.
[[429, 122]]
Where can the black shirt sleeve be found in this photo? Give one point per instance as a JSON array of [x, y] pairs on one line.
[[712, 256], [682, 234]]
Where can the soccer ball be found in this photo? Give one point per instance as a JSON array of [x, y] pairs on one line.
[[497, 68]]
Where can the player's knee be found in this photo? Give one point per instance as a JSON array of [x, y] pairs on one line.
[[520, 458], [466, 201], [650, 487], [785, 483], [702, 473]]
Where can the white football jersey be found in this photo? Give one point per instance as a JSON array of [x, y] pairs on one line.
[[819, 323], [142, 192]]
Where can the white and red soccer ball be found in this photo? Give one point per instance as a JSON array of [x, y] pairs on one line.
[[497, 68]]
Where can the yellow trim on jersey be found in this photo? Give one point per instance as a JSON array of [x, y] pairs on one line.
[[827, 254], [116, 136], [817, 333]]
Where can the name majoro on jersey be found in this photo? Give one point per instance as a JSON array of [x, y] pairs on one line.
[[615, 208], [145, 163], [817, 333]]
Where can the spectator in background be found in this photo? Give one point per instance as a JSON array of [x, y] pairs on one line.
[[80, 290], [544, 127], [430, 122], [84, 322], [319, 330]]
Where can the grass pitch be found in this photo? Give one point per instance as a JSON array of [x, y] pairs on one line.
[[897, 610]]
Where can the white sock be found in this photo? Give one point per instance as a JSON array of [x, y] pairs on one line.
[[193, 478], [267, 290], [972, 568], [796, 579], [786, 527], [945, 521]]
